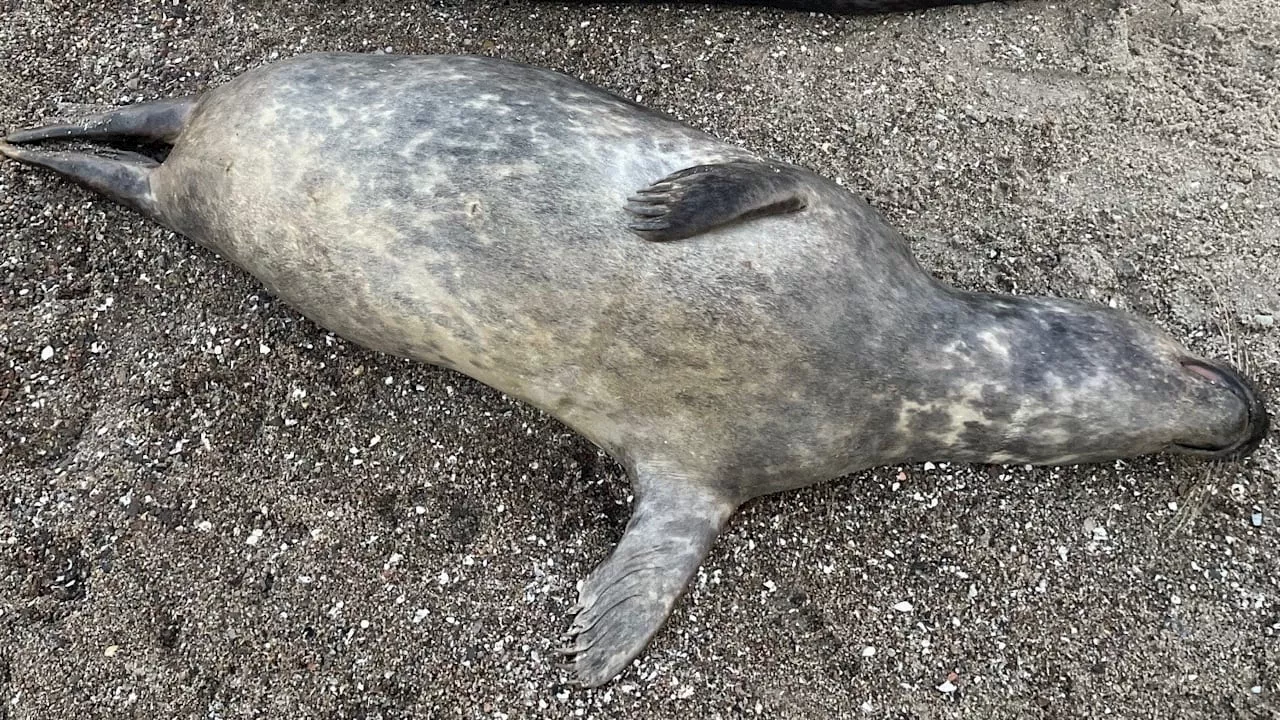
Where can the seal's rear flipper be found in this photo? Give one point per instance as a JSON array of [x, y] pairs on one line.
[[628, 597], [699, 198], [160, 120], [122, 176]]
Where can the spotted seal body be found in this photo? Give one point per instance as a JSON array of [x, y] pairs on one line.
[[723, 325]]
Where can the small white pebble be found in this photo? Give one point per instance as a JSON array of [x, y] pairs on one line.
[[1256, 519], [263, 349], [111, 650], [947, 687], [904, 607], [868, 651], [254, 536], [46, 353]]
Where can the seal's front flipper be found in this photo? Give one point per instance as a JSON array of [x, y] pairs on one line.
[[159, 120], [699, 198], [627, 598], [122, 176]]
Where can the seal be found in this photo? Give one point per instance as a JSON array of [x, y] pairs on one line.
[[840, 7], [723, 325]]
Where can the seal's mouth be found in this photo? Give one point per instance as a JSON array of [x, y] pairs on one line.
[[1256, 420]]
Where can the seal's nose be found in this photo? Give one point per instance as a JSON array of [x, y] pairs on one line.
[[1256, 419]]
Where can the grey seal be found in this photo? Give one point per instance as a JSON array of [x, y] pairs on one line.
[[834, 7], [724, 325]]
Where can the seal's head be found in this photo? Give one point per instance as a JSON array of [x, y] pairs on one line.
[[1234, 416], [1054, 382]]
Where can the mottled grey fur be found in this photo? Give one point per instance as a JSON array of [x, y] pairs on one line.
[[472, 213]]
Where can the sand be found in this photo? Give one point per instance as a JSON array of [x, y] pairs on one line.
[[214, 509]]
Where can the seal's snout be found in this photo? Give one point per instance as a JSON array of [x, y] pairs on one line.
[[1250, 420]]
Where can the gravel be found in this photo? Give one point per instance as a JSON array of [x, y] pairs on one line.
[[214, 509]]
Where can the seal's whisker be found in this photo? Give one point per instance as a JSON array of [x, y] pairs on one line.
[[1235, 349]]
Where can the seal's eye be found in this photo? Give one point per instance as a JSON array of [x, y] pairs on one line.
[[1213, 375]]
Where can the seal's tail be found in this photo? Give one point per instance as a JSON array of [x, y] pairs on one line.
[[160, 120], [122, 176]]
